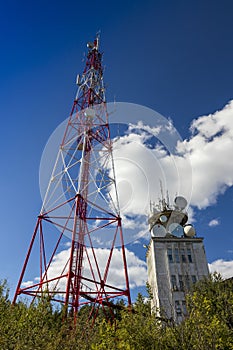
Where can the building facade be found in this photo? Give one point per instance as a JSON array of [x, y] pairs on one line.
[[175, 259]]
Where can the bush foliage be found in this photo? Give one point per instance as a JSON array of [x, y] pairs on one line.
[[209, 324]]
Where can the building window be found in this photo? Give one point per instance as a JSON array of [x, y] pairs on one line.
[[173, 282], [187, 281], [178, 308], [177, 257], [194, 279], [169, 254], [183, 257], [189, 255], [181, 282], [184, 307]]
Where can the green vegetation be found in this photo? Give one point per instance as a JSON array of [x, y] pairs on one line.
[[208, 326]]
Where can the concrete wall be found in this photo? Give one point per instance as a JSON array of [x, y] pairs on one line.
[[168, 296]]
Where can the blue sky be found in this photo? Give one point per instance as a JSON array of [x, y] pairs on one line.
[[172, 56]]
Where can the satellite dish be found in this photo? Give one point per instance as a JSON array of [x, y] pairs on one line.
[[90, 45], [158, 231], [189, 231], [176, 230], [180, 202], [163, 218]]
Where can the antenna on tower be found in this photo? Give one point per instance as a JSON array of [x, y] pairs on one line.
[[168, 201], [163, 201]]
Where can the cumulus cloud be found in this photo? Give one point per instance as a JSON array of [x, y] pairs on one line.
[[225, 268], [141, 164], [137, 270], [209, 149], [214, 222], [197, 169], [27, 284]]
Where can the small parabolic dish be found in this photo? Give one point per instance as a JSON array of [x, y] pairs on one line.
[[180, 202], [163, 218], [176, 230], [159, 231], [90, 45], [189, 231]]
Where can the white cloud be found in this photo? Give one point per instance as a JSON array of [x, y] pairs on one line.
[[139, 169], [201, 170], [137, 270], [210, 150], [214, 222], [225, 268], [27, 284]]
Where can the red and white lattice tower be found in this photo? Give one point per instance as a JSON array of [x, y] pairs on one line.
[[78, 265]]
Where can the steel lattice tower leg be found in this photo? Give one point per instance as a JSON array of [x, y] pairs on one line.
[[81, 201]]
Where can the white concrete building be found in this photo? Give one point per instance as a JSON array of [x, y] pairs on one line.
[[175, 258]]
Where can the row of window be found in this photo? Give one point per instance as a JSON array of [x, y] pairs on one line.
[[179, 255], [182, 282]]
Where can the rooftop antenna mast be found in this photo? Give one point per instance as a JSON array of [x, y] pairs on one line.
[[163, 202], [81, 201]]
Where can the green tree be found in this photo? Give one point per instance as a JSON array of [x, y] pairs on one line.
[[209, 324]]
